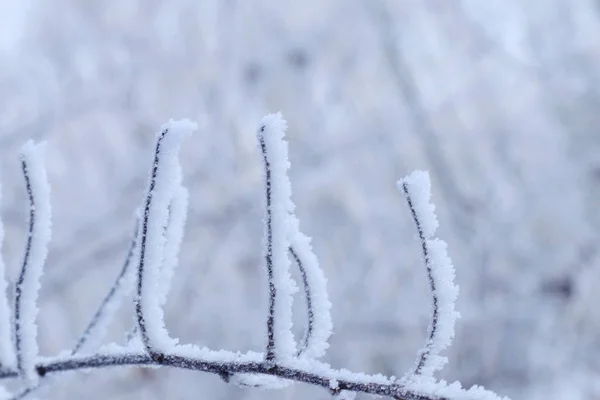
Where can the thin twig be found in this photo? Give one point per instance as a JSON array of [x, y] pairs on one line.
[[24, 271], [308, 299], [36, 251], [117, 285], [144, 235], [323, 378], [432, 287], [270, 355]]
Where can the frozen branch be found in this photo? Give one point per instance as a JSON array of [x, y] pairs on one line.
[[163, 182], [440, 273], [155, 251], [319, 325], [173, 236], [36, 250], [278, 207], [95, 331], [314, 373]]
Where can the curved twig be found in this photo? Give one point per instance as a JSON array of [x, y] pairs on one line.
[[440, 274], [163, 181], [111, 301]]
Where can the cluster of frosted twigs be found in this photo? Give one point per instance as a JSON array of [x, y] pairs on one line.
[[150, 264]]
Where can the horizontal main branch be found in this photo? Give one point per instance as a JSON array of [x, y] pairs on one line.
[[324, 379]]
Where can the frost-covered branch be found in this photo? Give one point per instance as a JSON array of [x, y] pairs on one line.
[[314, 373], [94, 333], [278, 207], [154, 254], [440, 273], [36, 251], [164, 180], [319, 325]]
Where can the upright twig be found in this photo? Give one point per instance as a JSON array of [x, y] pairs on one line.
[[319, 325], [440, 273], [95, 330], [173, 237], [278, 207], [164, 179], [36, 251]]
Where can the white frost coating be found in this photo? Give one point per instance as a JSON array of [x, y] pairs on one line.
[[275, 150], [431, 388], [174, 236], [416, 187], [316, 339], [28, 285], [155, 218], [420, 191], [259, 381], [7, 352], [123, 286], [206, 354]]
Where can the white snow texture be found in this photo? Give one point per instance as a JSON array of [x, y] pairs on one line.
[[33, 158], [440, 273]]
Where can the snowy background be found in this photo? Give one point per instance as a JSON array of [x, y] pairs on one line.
[[499, 100]]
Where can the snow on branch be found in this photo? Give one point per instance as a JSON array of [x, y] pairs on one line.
[[154, 254], [440, 273], [95, 331], [164, 180], [36, 251], [8, 357], [316, 338], [278, 207], [174, 236]]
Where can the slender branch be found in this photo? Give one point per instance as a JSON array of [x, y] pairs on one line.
[[164, 180], [144, 234], [319, 325], [317, 306], [24, 273], [440, 273], [36, 251], [116, 289], [269, 253], [361, 383], [278, 207], [309, 304], [94, 332], [432, 286]]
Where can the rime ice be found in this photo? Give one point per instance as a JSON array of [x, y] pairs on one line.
[[278, 207], [163, 182], [28, 284], [155, 251], [440, 273]]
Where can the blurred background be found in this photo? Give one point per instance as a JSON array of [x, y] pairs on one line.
[[499, 100]]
